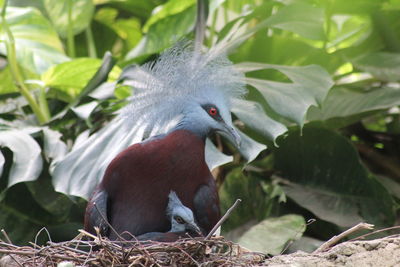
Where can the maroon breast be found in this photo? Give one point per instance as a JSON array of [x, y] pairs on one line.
[[140, 178]]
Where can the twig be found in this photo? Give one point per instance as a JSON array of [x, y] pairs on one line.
[[223, 219], [6, 236], [337, 238], [375, 232], [87, 234]]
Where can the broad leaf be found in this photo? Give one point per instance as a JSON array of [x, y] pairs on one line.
[[383, 65], [72, 76], [2, 161], [342, 103], [249, 148], [82, 13], [247, 188], [253, 115], [327, 178], [168, 9], [300, 18], [309, 87], [37, 44], [214, 157], [27, 159], [54, 148], [272, 235], [165, 30], [7, 84]]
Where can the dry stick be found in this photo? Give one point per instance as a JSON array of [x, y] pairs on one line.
[[6, 236], [375, 232], [337, 238], [9, 241], [109, 225], [223, 219]]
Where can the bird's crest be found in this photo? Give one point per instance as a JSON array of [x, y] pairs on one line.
[[162, 88], [173, 202]]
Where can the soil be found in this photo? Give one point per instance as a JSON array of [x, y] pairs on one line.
[[384, 252]]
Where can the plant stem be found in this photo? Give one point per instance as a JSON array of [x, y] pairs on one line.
[[90, 42], [44, 107], [70, 32], [42, 116], [212, 28]]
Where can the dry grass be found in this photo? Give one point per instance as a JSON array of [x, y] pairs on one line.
[[89, 250]]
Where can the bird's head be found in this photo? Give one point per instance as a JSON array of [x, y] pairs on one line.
[[185, 89], [182, 219], [209, 112]]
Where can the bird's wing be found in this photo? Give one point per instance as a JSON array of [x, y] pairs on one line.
[[96, 213], [206, 207]]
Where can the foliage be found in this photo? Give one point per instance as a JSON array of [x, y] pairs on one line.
[[323, 97]]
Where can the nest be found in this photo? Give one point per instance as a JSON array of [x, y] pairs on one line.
[[88, 250]]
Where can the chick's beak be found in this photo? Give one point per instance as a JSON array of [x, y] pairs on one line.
[[194, 228]]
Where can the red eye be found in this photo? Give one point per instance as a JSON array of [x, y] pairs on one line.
[[212, 111]]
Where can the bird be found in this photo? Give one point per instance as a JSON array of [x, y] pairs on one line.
[[182, 223], [179, 100]]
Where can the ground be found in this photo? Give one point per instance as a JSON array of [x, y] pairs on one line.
[[383, 252]]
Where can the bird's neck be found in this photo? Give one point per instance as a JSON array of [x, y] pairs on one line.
[[193, 127]]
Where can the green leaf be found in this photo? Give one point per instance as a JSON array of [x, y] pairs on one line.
[[37, 44], [7, 84], [252, 114], [2, 161], [271, 235], [168, 9], [309, 87], [54, 148], [82, 13], [249, 148], [27, 160], [383, 65], [55, 203], [72, 76], [248, 188], [214, 157], [327, 178], [165, 31], [128, 30], [300, 18], [21, 216], [342, 103], [138, 8]]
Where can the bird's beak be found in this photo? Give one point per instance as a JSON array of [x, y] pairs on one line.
[[231, 134]]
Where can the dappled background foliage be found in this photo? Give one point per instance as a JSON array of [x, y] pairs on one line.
[[321, 120]]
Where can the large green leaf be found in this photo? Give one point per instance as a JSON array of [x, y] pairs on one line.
[[272, 235], [247, 188], [82, 13], [6, 84], [21, 216], [2, 161], [166, 29], [327, 178], [168, 9], [309, 87], [300, 18], [27, 159], [383, 65], [249, 148], [37, 44], [253, 115], [72, 76], [342, 103]]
